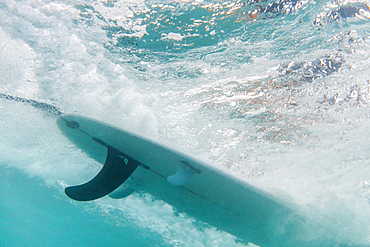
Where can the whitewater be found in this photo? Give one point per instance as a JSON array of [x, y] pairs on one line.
[[277, 92]]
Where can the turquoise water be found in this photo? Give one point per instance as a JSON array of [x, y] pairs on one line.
[[276, 92]]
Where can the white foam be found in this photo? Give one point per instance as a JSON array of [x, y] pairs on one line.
[[17, 66], [312, 154]]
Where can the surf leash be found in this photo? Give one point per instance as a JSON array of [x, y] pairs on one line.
[[38, 105]]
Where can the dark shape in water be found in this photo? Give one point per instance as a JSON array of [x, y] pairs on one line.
[[39, 105]]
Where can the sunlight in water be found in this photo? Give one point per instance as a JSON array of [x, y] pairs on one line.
[[277, 92]]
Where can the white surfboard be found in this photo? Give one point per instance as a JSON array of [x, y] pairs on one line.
[[133, 163]]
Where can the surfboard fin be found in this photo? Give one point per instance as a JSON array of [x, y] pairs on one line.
[[117, 168], [123, 190], [184, 173]]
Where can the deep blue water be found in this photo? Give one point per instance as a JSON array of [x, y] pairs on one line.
[[275, 91], [33, 214]]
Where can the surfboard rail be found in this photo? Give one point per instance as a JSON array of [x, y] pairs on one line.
[[192, 186]]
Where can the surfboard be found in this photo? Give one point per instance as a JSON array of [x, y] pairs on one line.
[[132, 163]]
